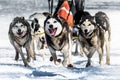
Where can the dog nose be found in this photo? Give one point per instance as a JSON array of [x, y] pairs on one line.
[[85, 30], [19, 30], [43, 38], [51, 26]]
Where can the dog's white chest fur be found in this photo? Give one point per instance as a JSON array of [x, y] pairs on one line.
[[21, 41]]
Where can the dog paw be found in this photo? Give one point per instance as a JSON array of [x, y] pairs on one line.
[[34, 58], [26, 65], [51, 58], [16, 59], [70, 65], [101, 62], [58, 61], [88, 64], [28, 59], [108, 63], [64, 63]]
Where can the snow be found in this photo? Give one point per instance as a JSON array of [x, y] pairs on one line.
[[46, 70]]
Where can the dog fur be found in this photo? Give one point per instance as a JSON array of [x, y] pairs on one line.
[[38, 35], [102, 21], [92, 36], [20, 36], [58, 37]]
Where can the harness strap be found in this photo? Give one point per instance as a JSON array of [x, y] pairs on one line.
[[39, 34]]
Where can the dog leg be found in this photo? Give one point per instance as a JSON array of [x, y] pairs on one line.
[[23, 58], [17, 55], [31, 50], [65, 55], [19, 49], [89, 56], [42, 53], [100, 51], [54, 57], [89, 62], [78, 46], [70, 50], [108, 53], [107, 48], [28, 55], [56, 61]]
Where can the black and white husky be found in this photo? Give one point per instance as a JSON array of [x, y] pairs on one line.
[[20, 36], [38, 35], [58, 37], [94, 33]]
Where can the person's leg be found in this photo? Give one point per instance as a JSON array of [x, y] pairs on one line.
[[79, 4], [58, 6]]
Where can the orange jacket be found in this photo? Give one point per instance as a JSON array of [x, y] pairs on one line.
[[65, 13]]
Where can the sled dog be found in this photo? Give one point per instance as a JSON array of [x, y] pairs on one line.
[[102, 21], [38, 35], [94, 32], [20, 36], [58, 37]]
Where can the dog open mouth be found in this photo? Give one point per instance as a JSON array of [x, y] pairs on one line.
[[86, 33], [20, 33], [53, 31]]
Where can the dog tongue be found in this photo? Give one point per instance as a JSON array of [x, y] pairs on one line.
[[52, 31]]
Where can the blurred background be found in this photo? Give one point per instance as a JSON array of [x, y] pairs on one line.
[[31, 6]]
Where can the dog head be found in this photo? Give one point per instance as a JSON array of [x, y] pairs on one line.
[[36, 28], [19, 27], [87, 25], [53, 26]]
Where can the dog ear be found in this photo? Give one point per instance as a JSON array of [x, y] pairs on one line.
[[22, 17], [77, 26], [94, 20], [46, 14], [49, 16], [36, 20]]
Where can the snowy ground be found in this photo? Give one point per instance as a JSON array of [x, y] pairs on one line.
[[40, 70]]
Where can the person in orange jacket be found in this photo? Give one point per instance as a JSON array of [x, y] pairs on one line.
[[65, 12], [75, 5]]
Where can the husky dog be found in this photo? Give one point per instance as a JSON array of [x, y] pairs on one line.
[[92, 36], [41, 17], [58, 37], [37, 26], [102, 21], [77, 17], [20, 36]]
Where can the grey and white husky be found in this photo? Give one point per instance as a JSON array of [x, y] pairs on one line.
[[94, 33], [20, 36]]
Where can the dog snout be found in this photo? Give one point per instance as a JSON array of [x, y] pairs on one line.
[[51, 26], [86, 31], [43, 38], [19, 30]]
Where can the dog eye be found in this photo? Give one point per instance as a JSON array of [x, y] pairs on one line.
[[55, 21], [16, 26], [83, 24], [22, 25], [89, 25], [48, 22]]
